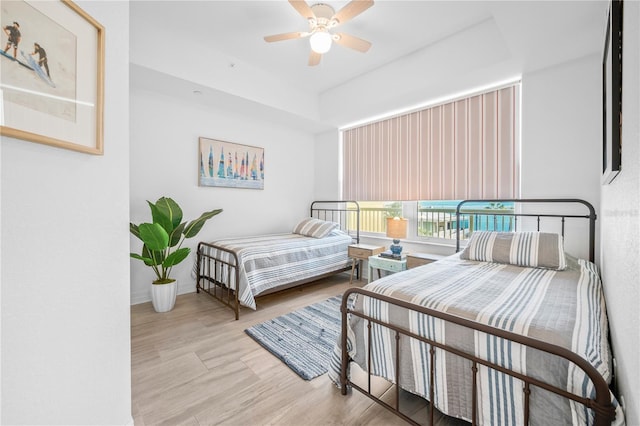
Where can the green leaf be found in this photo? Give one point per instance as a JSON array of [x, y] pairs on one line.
[[174, 238], [154, 236], [160, 218], [147, 257], [134, 230], [176, 257], [146, 260], [195, 226], [171, 210], [158, 255]]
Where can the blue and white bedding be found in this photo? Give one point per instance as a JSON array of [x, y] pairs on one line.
[[271, 261], [565, 308]]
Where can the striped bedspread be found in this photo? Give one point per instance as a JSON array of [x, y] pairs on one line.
[[565, 308], [271, 261]]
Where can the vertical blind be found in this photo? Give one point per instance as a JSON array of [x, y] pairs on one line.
[[465, 149]]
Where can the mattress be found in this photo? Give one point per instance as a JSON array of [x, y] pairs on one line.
[[267, 262]]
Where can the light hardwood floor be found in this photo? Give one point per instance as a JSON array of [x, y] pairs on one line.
[[196, 366]]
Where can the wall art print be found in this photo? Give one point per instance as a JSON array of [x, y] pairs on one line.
[[229, 164], [51, 74]]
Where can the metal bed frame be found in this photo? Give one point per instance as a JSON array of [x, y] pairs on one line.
[[601, 404], [214, 273]]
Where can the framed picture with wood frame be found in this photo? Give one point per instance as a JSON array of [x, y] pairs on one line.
[[612, 94], [229, 164], [52, 75]]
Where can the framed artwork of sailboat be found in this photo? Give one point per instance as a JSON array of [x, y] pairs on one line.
[[229, 164]]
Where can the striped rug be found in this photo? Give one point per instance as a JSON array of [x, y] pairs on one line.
[[302, 339]]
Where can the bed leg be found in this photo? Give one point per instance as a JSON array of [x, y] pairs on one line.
[[198, 260], [343, 343]]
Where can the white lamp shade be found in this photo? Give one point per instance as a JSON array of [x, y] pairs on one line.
[[320, 42], [396, 228]]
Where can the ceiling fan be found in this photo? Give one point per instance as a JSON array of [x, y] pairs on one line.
[[323, 18]]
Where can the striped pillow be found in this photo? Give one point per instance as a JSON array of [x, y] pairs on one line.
[[316, 228], [532, 249]]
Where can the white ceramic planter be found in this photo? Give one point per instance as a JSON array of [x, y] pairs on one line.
[[163, 296]]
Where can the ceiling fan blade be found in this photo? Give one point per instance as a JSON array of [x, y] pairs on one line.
[[351, 10], [286, 36], [303, 8], [314, 58], [352, 42]]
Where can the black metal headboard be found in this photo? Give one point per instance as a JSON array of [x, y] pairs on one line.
[[502, 220], [344, 212]]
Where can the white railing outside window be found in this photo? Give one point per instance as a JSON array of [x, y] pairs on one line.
[[436, 220]]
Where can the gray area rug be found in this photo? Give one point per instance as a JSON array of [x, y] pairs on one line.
[[302, 339]]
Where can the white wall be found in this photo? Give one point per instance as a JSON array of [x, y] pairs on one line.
[[561, 135], [327, 151], [164, 162], [620, 228], [65, 268], [1, 280]]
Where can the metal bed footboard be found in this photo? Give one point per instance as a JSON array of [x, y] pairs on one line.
[[601, 404], [215, 275], [217, 267]]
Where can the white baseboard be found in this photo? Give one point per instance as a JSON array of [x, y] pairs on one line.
[[140, 297], [145, 296]]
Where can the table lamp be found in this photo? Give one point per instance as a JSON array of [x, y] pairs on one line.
[[396, 229]]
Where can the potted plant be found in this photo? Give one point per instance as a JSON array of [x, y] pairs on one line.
[[162, 247]]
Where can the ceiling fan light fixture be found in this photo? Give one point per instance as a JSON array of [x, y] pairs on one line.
[[321, 18], [320, 42]]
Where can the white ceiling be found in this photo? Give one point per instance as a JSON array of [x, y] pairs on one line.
[[536, 34]]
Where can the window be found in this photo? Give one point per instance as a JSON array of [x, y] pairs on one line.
[[463, 149], [437, 219], [374, 214]]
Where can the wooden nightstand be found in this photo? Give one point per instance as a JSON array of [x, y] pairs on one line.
[[360, 252], [418, 259], [390, 265]]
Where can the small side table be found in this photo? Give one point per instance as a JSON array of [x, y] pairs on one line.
[[418, 259], [390, 265], [360, 252]]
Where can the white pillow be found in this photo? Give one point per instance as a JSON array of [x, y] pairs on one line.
[[316, 228]]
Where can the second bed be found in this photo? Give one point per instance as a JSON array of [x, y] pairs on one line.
[[237, 270]]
